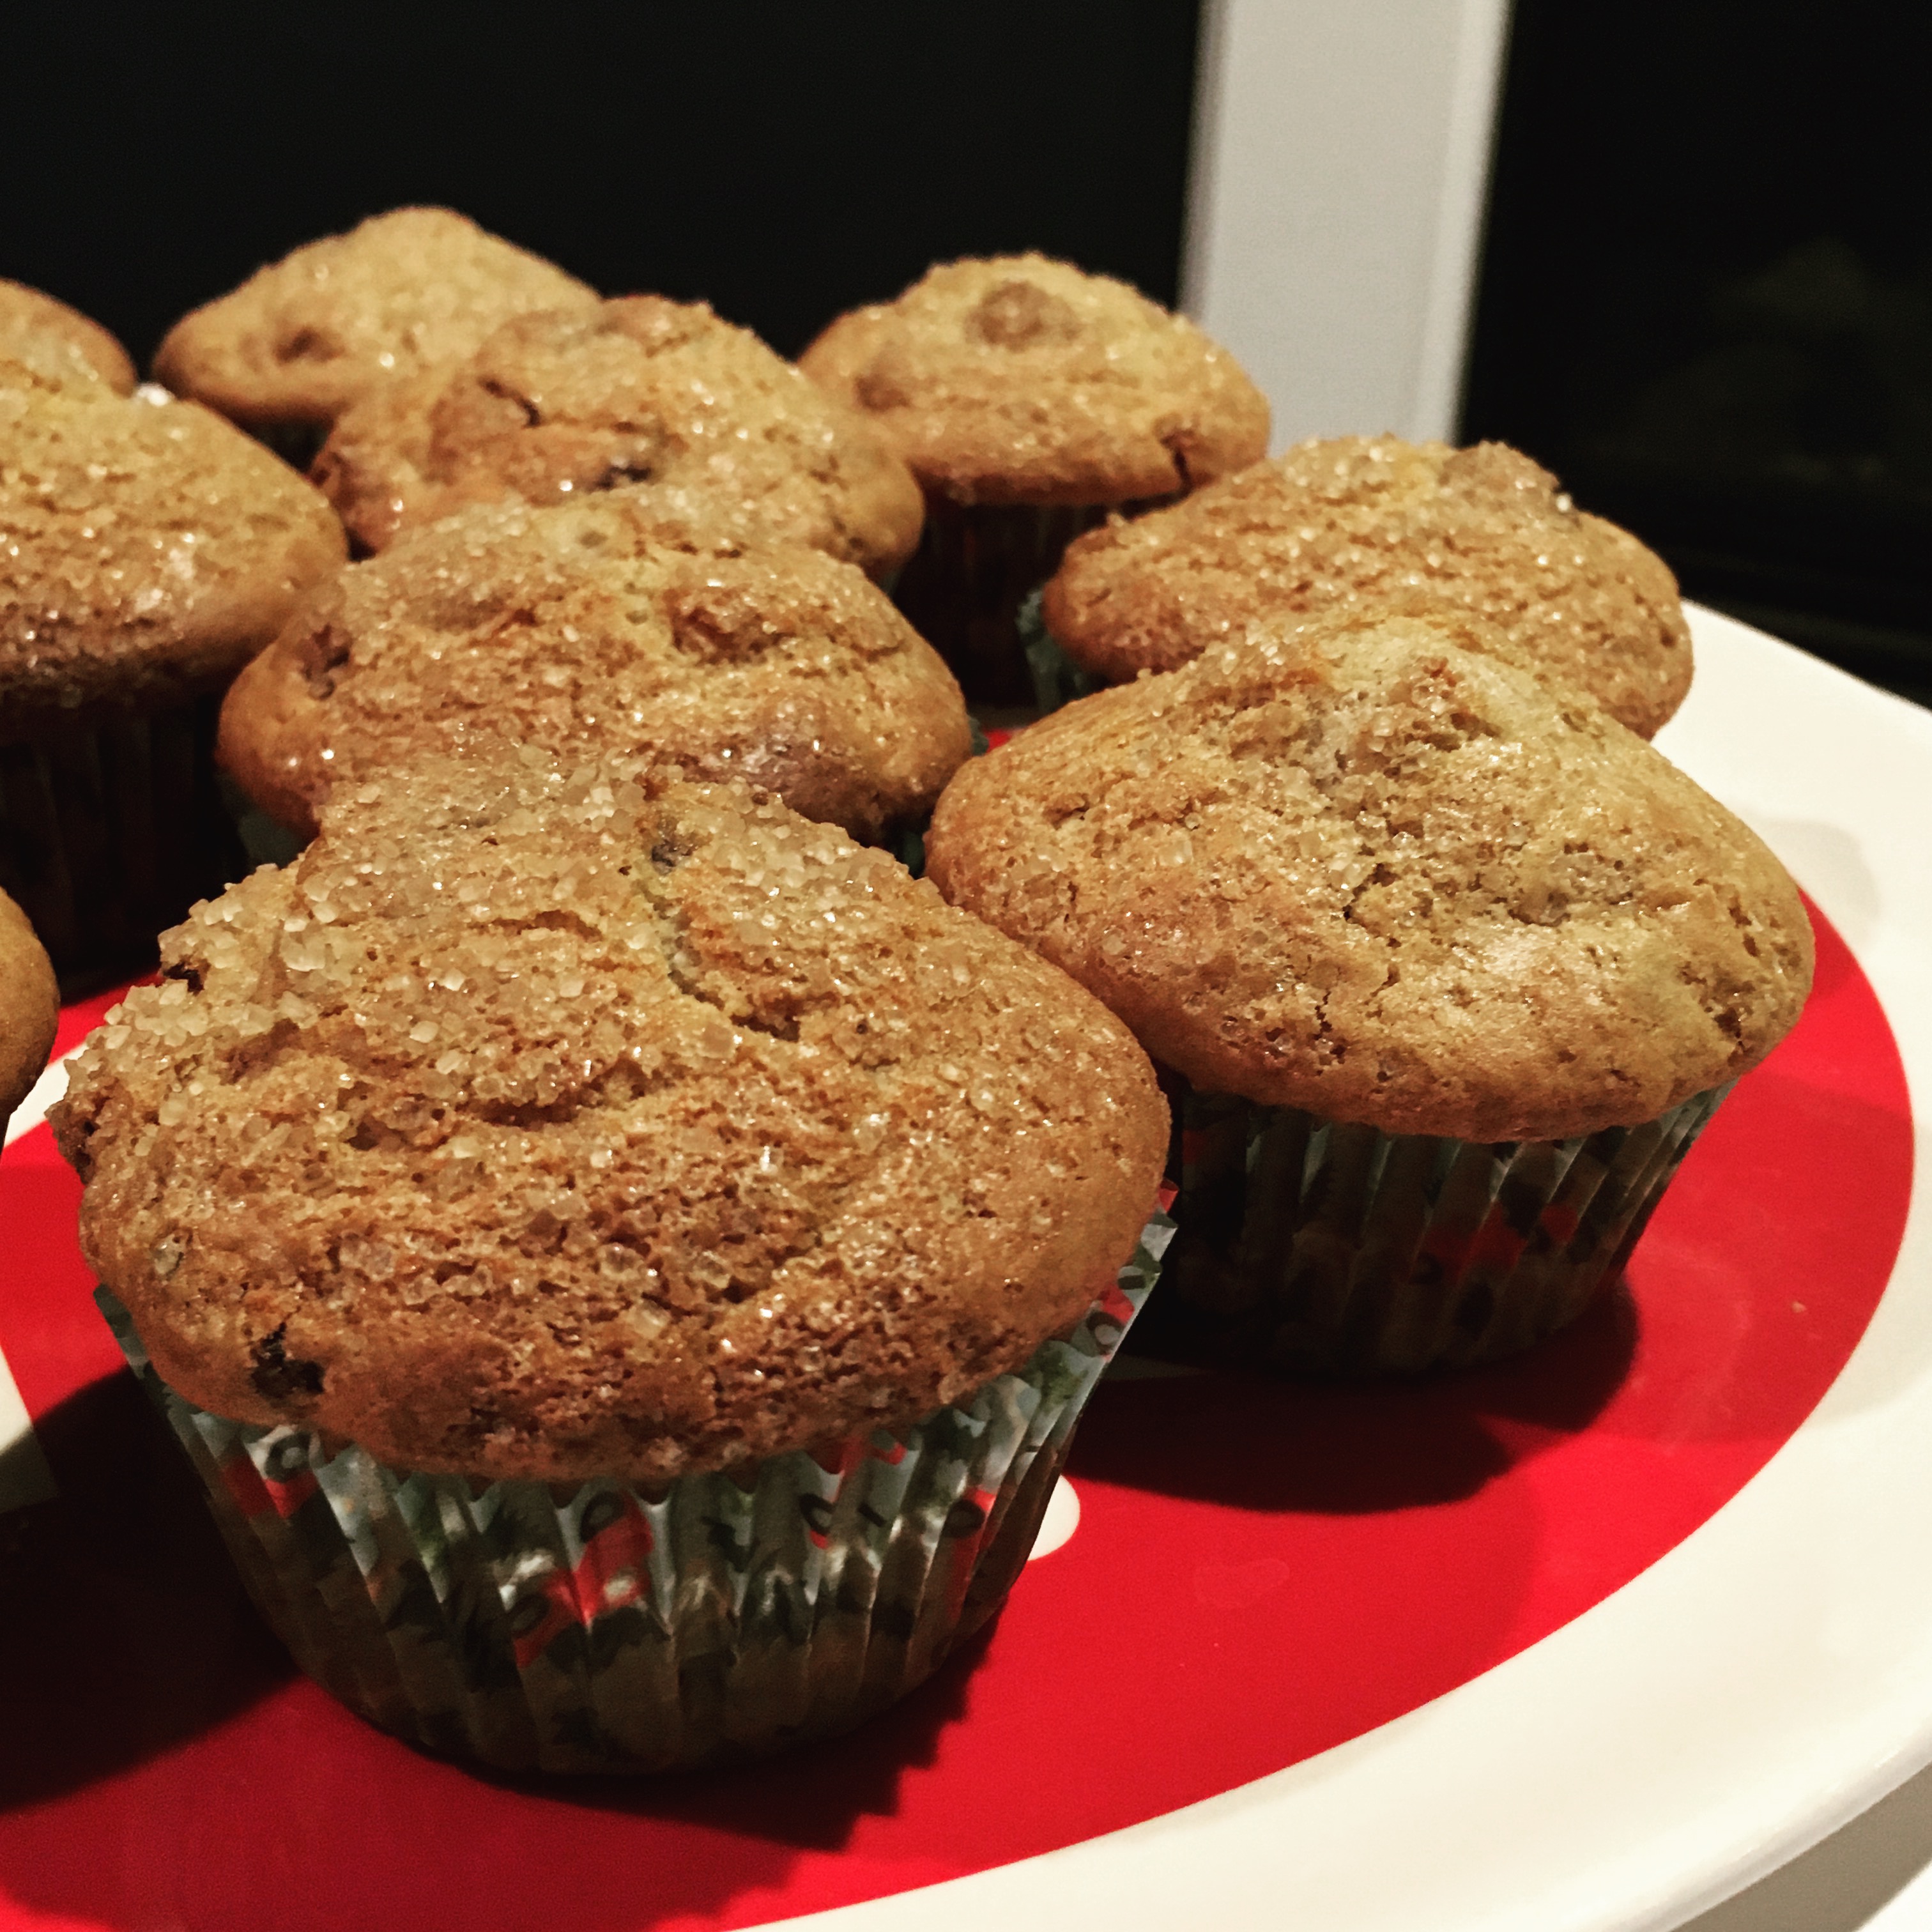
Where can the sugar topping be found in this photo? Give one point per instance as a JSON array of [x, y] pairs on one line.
[[58, 343], [301, 339], [596, 628], [1020, 379], [543, 1122], [144, 544], [1361, 521], [1355, 868], [640, 393]]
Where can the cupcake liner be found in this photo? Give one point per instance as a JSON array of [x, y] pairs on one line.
[[1321, 1248], [975, 566], [614, 1628], [1057, 679], [111, 827], [297, 444]]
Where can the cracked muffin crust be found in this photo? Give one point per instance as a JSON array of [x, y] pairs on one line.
[[1021, 379], [1356, 521], [641, 393], [148, 549], [1355, 869], [29, 1007], [548, 1124], [595, 630], [58, 343], [303, 338]]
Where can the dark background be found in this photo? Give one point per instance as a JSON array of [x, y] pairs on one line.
[[1706, 301], [785, 162]]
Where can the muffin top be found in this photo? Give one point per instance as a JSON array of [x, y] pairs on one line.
[[29, 1007], [1355, 868], [147, 548], [1360, 520], [1023, 380], [303, 338], [58, 343], [639, 393], [590, 628], [544, 1125]]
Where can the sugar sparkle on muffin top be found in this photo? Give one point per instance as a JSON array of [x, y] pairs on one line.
[[540, 1123]]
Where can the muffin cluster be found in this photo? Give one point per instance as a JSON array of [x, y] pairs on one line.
[[626, 1255]]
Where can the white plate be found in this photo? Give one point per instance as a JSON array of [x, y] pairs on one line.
[[1769, 1677]]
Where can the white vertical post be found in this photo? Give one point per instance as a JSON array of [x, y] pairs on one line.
[[1340, 170]]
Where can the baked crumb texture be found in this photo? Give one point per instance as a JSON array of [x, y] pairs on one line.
[[544, 1125], [148, 549], [1020, 379], [305, 338], [640, 393], [1357, 869], [1361, 521], [592, 628], [58, 343], [29, 1007]]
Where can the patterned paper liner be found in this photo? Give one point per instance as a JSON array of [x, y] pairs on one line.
[[975, 566], [112, 826], [614, 1629], [1318, 1248]]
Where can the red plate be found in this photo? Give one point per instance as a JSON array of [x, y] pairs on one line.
[[1259, 1572]]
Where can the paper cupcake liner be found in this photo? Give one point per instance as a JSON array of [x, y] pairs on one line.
[[297, 444], [616, 1629], [1057, 679], [111, 827], [975, 566], [1319, 1248]]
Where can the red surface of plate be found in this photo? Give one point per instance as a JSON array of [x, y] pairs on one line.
[[1260, 1572]]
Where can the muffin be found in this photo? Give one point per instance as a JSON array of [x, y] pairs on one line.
[[625, 1257], [641, 393], [58, 343], [1030, 399], [148, 550], [1446, 974], [304, 338], [592, 630], [29, 1008], [1355, 521]]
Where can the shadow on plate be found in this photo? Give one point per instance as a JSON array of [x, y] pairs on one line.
[[1264, 1443], [123, 1631], [164, 1762]]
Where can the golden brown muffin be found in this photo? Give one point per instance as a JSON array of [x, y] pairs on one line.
[[547, 1125], [640, 393], [58, 344], [1356, 870], [1359, 520], [595, 631], [29, 1007], [1018, 380], [305, 338], [148, 549]]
